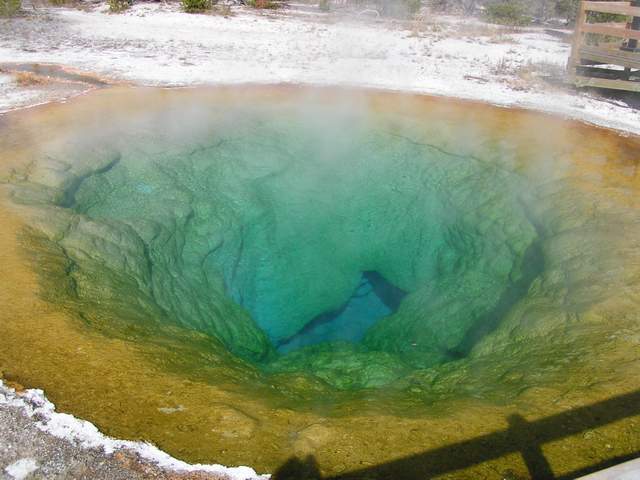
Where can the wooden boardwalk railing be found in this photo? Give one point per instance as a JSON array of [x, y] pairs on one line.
[[606, 55]]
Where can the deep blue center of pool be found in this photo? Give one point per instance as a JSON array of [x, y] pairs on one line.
[[373, 299]]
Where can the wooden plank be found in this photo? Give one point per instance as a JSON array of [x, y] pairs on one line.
[[611, 57], [581, 81], [602, 29], [619, 8], [574, 58]]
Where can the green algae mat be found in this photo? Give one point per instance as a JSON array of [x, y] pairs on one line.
[[246, 276]]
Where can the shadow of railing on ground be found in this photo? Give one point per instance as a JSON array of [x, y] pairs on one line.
[[521, 437]]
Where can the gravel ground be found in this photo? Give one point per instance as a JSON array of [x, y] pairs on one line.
[[44, 456], [28, 452]]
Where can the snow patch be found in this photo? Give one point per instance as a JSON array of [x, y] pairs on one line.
[[34, 404], [22, 468]]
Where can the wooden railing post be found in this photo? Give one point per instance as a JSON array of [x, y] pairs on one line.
[[590, 65], [635, 25], [574, 59]]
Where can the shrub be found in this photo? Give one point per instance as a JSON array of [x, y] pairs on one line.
[[508, 13], [567, 9], [196, 6], [324, 5], [116, 6], [399, 8], [263, 3], [9, 7]]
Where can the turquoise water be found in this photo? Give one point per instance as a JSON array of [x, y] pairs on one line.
[[322, 241], [373, 299]]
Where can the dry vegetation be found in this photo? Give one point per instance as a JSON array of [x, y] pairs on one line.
[[529, 75], [28, 79]]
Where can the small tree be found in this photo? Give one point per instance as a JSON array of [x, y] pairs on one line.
[[542, 9], [468, 6], [508, 12], [9, 7]]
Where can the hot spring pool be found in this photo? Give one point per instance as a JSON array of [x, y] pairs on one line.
[[245, 276]]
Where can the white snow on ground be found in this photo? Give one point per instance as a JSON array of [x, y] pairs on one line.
[[22, 468], [34, 404], [156, 44]]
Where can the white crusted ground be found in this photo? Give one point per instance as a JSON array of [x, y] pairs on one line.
[[32, 409], [156, 44]]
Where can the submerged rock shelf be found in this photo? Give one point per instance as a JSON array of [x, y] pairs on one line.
[[311, 262]]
